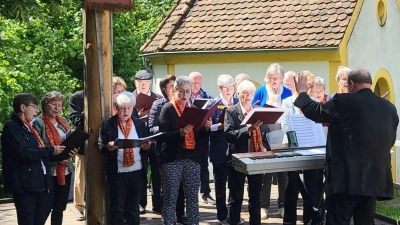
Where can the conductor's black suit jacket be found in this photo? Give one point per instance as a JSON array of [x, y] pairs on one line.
[[362, 130]]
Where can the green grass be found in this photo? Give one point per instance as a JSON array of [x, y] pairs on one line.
[[390, 208]]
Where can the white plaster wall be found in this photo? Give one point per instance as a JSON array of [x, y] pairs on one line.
[[373, 47], [256, 71], [158, 71]]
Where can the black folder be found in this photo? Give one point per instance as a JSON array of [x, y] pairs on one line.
[[74, 140], [135, 143]]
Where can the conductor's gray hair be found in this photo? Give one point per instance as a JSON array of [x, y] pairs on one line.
[[360, 76], [225, 79], [182, 80], [125, 97], [246, 85]]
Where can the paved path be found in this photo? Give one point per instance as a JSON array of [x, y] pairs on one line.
[[207, 214]]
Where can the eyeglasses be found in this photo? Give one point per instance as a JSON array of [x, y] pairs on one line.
[[227, 88], [55, 105], [183, 91], [144, 81], [275, 78], [117, 91], [33, 106]]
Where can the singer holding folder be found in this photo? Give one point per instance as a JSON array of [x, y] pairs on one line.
[[53, 130], [124, 167], [180, 155], [242, 139]]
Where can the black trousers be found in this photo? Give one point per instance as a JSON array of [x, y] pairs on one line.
[[204, 172], [31, 208], [313, 182], [152, 160], [220, 179], [58, 200], [236, 189], [266, 189], [124, 197], [341, 207]]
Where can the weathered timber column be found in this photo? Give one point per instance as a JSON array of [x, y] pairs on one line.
[[97, 86]]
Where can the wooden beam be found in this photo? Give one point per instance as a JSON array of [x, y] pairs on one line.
[[97, 86]]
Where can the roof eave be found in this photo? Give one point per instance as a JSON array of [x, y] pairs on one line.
[[332, 48]]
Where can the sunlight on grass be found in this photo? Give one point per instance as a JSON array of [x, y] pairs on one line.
[[390, 208]]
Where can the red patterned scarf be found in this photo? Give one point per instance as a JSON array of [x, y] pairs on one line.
[[256, 144], [55, 139], [129, 157], [189, 142]]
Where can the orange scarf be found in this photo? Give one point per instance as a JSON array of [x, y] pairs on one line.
[[35, 133], [256, 144], [129, 157], [55, 139], [189, 142]]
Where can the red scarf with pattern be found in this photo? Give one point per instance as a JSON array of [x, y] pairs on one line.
[[256, 144], [129, 157], [189, 142], [55, 139]]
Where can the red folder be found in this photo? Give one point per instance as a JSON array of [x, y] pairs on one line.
[[222, 116], [266, 115], [196, 117], [144, 102]]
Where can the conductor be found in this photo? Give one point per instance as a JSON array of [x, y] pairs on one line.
[[362, 130]]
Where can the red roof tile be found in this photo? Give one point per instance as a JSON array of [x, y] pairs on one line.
[[251, 24]]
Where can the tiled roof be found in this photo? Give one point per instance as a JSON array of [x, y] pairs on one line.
[[251, 24]]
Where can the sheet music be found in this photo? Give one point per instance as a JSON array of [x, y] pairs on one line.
[[308, 132]]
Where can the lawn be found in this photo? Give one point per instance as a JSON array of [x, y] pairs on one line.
[[390, 208]]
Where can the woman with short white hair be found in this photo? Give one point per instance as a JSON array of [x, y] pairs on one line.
[[124, 167], [341, 80], [273, 92], [288, 81], [319, 90], [243, 139]]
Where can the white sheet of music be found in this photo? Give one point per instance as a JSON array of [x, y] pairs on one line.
[[308, 132]]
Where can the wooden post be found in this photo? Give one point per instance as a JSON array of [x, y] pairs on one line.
[[98, 95]]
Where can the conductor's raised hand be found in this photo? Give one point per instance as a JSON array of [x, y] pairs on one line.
[[186, 130], [111, 146], [208, 124], [58, 149], [301, 83], [255, 125]]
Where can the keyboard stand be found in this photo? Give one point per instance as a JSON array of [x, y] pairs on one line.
[[316, 216]]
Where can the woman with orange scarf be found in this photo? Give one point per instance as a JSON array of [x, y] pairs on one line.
[[179, 157], [53, 130], [242, 139], [25, 162], [124, 166]]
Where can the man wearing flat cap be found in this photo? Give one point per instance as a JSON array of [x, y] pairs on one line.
[[143, 80]]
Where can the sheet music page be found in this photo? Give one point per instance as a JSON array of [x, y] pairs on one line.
[[308, 132]]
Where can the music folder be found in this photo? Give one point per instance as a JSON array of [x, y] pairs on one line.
[[266, 115], [196, 117], [144, 101], [74, 139], [201, 103], [135, 143], [222, 116]]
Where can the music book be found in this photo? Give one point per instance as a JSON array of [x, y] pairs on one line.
[[144, 101], [267, 115], [197, 117], [201, 103], [308, 133], [135, 143], [74, 139], [222, 116]]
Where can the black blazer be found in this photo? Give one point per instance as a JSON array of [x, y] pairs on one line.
[[237, 134], [76, 109], [109, 132], [171, 141], [22, 167], [362, 130]]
